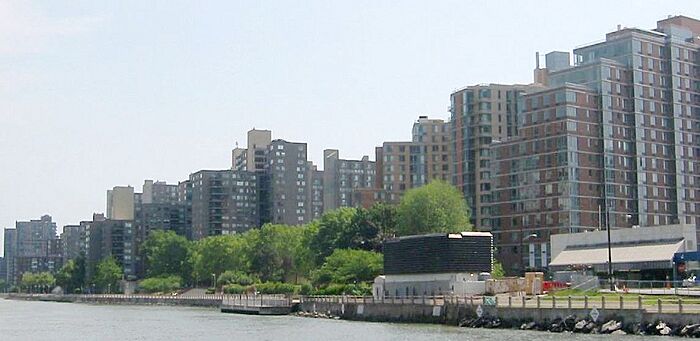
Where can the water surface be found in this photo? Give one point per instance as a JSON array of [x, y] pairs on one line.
[[22, 320]]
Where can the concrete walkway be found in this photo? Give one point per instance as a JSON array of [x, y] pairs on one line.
[[659, 291]]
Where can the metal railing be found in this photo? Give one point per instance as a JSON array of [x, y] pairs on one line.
[[610, 302], [257, 300]]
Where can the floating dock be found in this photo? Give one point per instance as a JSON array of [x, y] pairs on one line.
[[256, 304]]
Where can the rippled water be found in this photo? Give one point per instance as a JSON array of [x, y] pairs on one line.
[[20, 320]]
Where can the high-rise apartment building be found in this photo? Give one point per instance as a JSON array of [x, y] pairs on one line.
[[404, 165], [110, 238], [120, 203], [547, 180], [256, 151], [3, 270], [627, 120], [223, 202], [9, 251], [37, 248], [73, 242], [342, 177], [287, 180], [314, 191], [480, 115]]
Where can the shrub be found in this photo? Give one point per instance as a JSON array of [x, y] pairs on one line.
[[276, 288], [234, 289], [306, 289], [160, 284], [235, 277], [359, 289]]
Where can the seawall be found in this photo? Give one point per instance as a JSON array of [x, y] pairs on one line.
[[213, 301], [452, 313]]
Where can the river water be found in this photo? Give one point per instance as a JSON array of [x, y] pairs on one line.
[[22, 320]]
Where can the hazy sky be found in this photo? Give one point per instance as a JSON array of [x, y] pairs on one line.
[[95, 94]]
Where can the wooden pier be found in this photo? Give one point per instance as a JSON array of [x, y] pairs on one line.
[[256, 304]]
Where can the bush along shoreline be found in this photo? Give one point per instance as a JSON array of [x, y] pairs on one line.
[[574, 324]]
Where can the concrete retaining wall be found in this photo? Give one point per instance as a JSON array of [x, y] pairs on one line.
[[125, 299], [452, 314]]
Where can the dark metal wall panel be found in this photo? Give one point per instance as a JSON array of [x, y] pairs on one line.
[[437, 254]]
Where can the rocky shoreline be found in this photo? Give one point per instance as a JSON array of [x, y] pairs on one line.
[[574, 324], [317, 315]]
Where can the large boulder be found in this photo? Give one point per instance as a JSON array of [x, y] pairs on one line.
[[610, 326]]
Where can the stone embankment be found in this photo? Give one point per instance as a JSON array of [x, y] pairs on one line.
[[575, 324], [476, 314]]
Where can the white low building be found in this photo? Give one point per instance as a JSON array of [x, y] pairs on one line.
[[639, 250]]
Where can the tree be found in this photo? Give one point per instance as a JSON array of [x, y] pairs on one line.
[[41, 281], [373, 226], [276, 252], [108, 274], [167, 254], [497, 271], [216, 254], [349, 267], [334, 232], [435, 207], [71, 277]]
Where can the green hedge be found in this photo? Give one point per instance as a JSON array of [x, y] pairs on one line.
[[160, 284], [234, 289], [359, 289]]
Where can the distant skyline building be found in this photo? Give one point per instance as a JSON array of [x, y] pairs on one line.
[[36, 248], [314, 191], [3, 270], [401, 166], [288, 176], [9, 252], [120, 203], [110, 238], [73, 242], [480, 115], [342, 177], [223, 202]]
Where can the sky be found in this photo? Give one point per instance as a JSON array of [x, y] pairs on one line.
[[96, 94]]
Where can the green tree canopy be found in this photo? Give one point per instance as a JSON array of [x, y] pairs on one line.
[[108, 274], [352, 228], [167, 254], [276, 252], [497, 271], [435, 207], [38, 281], [72, 275], [349, 266], [335, 230], [161, 284], [216, 254]]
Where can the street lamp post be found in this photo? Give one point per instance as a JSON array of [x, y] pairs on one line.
[[213, 282], [528, 238], [610, 273]]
